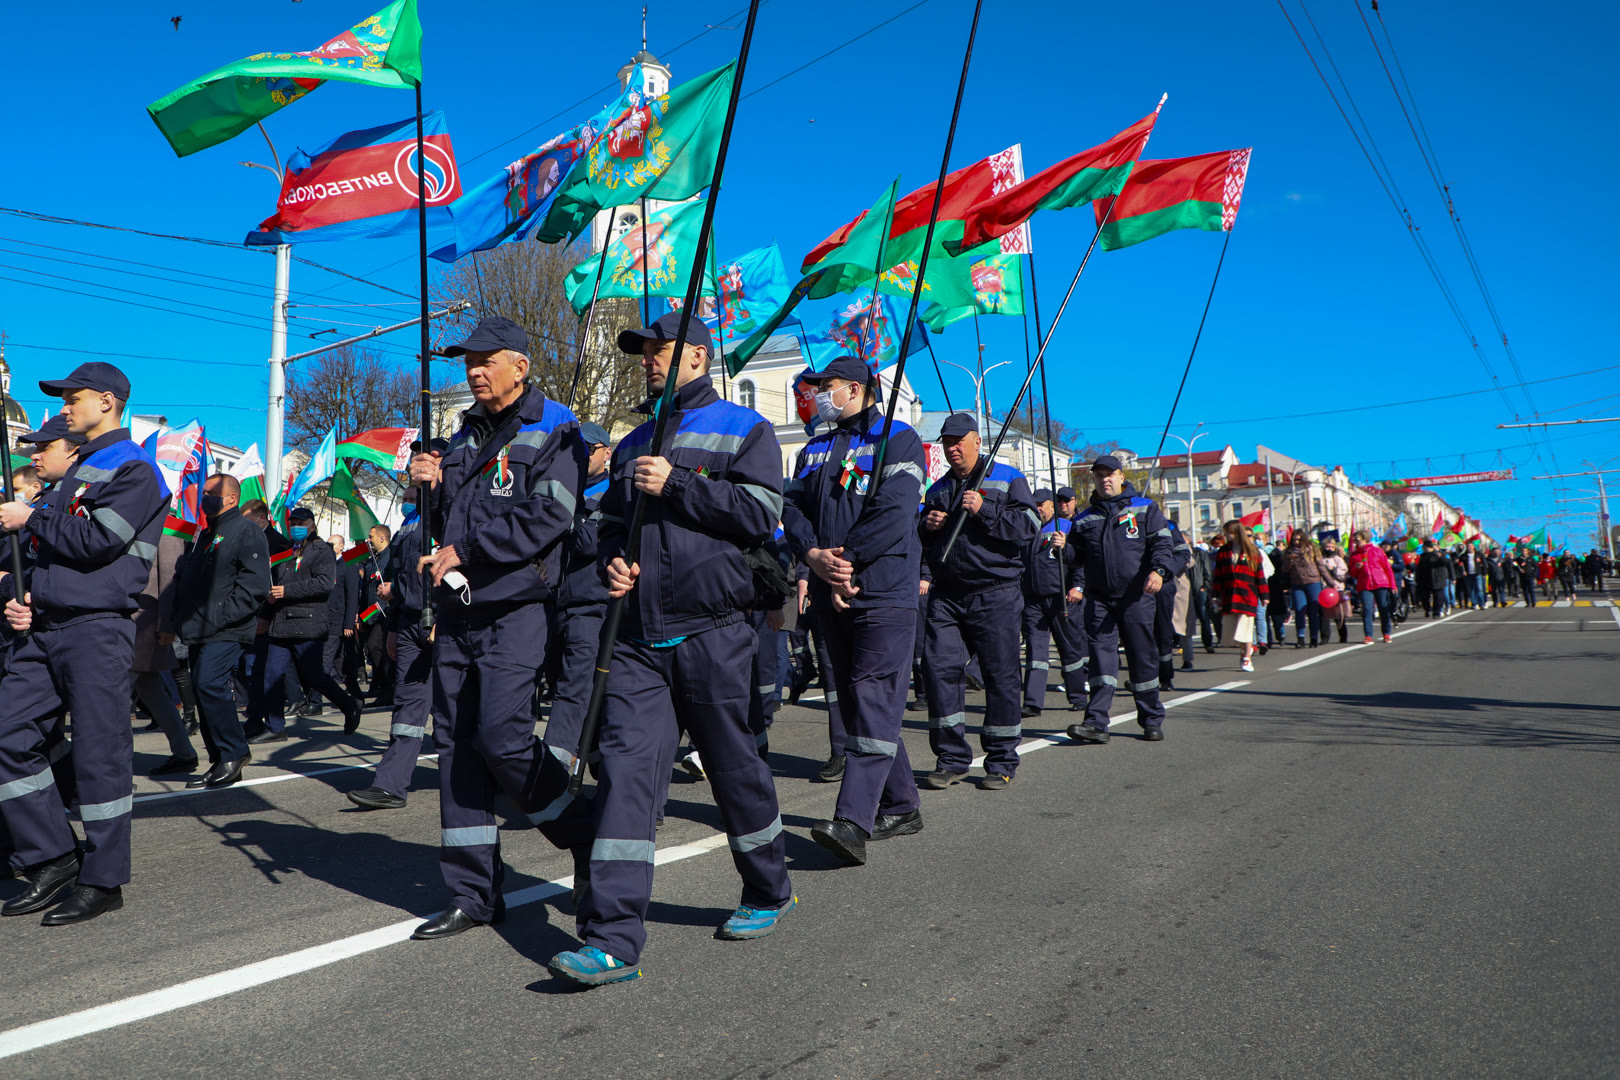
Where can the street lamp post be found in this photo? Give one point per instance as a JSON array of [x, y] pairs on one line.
[[980, 402], [1192, 487]]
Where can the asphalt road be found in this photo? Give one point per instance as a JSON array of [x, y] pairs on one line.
[[1388, 861]]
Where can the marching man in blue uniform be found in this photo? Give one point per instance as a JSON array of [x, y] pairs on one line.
[[975, 600], [1048, 578], [505, 495], [1126, 553], [682, 656], [96, 539], [410, 655], [863, 555]]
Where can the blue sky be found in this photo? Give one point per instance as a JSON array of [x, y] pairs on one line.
[[1324, 304]]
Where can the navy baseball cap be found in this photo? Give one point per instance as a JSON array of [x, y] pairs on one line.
[[302, 513], [1043, 495], [852, 368], [1066, 493], [1107, 461], [594, 434], [491, 334], [51, 430], [663, 329], [92, 376], [958, 424]]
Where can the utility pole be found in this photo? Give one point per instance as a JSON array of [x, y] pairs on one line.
[[1192, 487], [1271, 502], [275, 414], [1603, 498]]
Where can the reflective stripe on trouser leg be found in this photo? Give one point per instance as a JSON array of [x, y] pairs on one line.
[[837, 727], [945, 658], [1102, 638], [1136, 632], [992, 626], [1037, 647], [711, 699], [1069, 634], [581, 630], [472, 872], [764, 696], [870, 650], [92, 662], [413, 699], [637, 744]]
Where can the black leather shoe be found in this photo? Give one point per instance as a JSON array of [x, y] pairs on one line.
[[447, 923], [916, 705], [351, 719], [175, 766], [1153, 734], [1187, 666], [833, 770], [268, 736], [220, 774], [46, 881], [309, 711], [1028, 711], [940, 779], [84, 903], [375, 798], [888, 825], [844, 839], [1080, 733]]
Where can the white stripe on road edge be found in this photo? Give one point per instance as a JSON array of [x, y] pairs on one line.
[[273, 779], [1615, 611], [145, 1006], [1042, 743], [1351, 651]]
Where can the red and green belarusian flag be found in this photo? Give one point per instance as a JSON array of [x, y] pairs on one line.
[[1091, 174], [370, 613], [387, 448], [384, 50], [178, 526], [356, 553], [1200, 192], [342, 488], [290, 553]]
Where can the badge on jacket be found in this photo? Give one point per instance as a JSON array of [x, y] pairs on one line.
[[1128, 519], [499, 472]]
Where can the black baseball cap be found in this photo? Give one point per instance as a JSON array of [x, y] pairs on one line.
[[302, 513], [958, 424], [665, 328], [92, 376], [1043, 495], [491, 334], [852, 368], [1066, 493], [1107, 461], [594, 434], [51, 430]]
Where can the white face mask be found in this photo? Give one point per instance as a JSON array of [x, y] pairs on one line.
[[827, 409]]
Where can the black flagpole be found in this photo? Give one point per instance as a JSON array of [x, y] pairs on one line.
[[427, 356], [17, 583], [958, 515], [922, 268], [929, 345], [1046, 408], [1188, 369], [590, 317], [638, 507]]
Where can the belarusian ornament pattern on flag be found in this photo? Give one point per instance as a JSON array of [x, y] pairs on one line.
[[1007, 169], [1237, 171]]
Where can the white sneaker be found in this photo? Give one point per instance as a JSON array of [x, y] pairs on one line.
[[1248, 665], [693, 764]]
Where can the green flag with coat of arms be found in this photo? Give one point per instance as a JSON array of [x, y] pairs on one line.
[[655, 256]]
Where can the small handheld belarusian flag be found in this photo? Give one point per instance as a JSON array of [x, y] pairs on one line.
[[290, 553], [370, 613], [356, 553], [176, 526]]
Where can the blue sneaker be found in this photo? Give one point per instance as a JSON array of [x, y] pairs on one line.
[[593, 967], [752, 922]]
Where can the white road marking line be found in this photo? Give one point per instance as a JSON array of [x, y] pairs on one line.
[[1347, 650], [1547, 622], [196, 991], [1560, 603], [258, 781], [1615, 611], [1044, 741]]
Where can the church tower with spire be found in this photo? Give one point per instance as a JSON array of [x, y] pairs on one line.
[[655, 79]]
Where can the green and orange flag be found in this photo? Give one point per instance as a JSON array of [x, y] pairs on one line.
[[384, 50], [1200, 192]]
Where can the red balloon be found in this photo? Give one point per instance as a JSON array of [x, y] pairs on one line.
[[1329, 598]]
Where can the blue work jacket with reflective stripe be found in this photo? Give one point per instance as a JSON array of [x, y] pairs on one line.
[[506, 502], [582, 580], [990, 549], [1118, 542], [723, 495], [98, 532], [825, 511], [1049, 570], [405, 591]]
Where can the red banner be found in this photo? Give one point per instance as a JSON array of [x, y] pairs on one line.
[[1436, 481]]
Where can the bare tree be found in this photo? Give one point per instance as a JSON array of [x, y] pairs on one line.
[[1062, 434], [524, 282]]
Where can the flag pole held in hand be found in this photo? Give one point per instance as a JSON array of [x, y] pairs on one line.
[[666, 400]]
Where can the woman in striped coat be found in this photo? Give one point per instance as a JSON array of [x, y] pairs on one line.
[[1240, 588]]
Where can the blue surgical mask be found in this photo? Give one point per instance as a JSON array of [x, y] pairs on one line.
[[408, 509], [299, 533]]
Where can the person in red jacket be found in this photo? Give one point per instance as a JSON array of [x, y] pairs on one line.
[[1240, 589], [1375, 579]]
